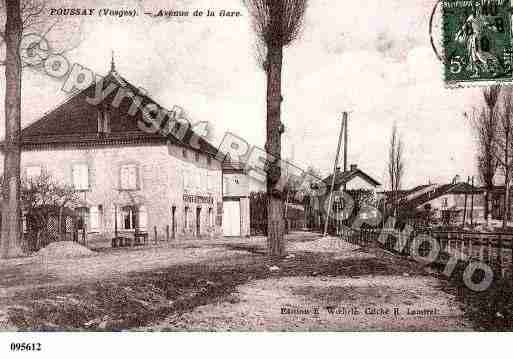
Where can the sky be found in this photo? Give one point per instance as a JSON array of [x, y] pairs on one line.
[[372, 58]]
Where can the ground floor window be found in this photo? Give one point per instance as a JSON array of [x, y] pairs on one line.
[[129, 217], [186, 217], [210, 217]]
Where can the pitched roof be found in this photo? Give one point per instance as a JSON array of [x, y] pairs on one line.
[[75, 122], [343, 177], [233, 167], [450, 188]]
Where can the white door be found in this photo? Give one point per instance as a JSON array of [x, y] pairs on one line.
[[231, 218]]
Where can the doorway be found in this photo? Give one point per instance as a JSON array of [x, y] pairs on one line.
[[173, 222], [231, 218], [198, 221]]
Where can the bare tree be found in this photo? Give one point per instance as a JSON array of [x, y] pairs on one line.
[[42, 197], [395, 166], [504, 145], [277, 24], [20, 16], [486, 128], [486, 136]]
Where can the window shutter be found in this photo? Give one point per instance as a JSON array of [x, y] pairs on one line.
[[209, 182], [133, 177], [128, 174], [197, 183], [143, 218], [204, 184], [123, 174], [187, 180]]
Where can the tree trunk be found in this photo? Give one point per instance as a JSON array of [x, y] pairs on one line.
[[11, 236], [506, 203], [486, 203], [275, 209]]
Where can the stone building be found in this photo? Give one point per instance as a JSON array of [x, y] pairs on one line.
[[128, 175]]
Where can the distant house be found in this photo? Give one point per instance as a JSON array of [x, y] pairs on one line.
[[456, 198], [352, 179]]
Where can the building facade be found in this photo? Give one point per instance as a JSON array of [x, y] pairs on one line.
[[236, 206], [128, 176]]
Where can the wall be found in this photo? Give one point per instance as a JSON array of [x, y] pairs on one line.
[[236, 185], [359, 183]]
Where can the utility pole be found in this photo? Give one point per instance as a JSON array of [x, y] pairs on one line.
[[472, 204], [345, 122], [465, 206], [342, 127]]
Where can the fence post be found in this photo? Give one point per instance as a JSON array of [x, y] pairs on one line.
[[155, 233], [167, 232], [511, 256], [499, 254]]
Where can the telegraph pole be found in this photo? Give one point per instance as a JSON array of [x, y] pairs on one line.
[[343, 125]]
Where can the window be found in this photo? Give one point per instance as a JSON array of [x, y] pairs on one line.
[[33, 172], [186, 218], [103, 122], [197, 156], [80, 176], [128, 217], [128, 176], [184, 153], [210, 217]]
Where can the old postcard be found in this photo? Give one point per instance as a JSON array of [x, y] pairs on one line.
[[255, 165]]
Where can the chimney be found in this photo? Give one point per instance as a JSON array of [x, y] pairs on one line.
[[353, 167]]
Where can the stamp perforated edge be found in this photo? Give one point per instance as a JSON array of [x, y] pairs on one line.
[[470, 83]]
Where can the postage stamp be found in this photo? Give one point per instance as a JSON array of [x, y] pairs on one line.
[[477, 42]]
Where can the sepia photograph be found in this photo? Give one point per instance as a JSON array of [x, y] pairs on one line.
[[199, 166]]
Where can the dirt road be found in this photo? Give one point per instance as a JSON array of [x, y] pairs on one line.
[[324, 284]]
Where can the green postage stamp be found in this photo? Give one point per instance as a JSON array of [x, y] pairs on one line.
[[477, 42]]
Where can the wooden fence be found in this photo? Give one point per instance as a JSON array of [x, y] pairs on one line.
[[494, 249]]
